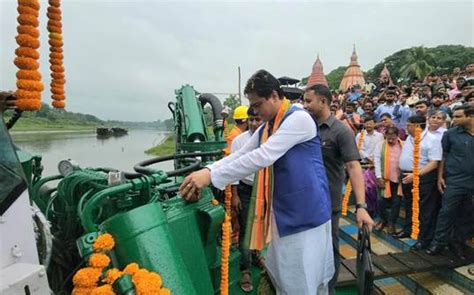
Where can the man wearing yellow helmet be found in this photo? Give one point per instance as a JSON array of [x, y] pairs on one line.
[[240, 118]]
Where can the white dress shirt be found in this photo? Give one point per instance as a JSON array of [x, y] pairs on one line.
[[296, 128], [368, 145], [237, 144], [430, 150]]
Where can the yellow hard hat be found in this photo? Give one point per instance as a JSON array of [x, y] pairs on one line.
[[240, 113]]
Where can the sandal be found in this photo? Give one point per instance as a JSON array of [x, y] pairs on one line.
[[246, 282]]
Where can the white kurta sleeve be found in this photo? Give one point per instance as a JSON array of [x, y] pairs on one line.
[[378, 159], [297, 128]]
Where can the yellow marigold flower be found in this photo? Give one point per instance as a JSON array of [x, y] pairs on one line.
[[87, 277], [104, 242], [155, 279], [131, 268], [99, 260], [82, 291], [215, 202], [112, 275], [103, 290], [165, 291]]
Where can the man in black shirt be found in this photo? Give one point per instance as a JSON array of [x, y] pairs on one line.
[[456, 182], [339, 148]]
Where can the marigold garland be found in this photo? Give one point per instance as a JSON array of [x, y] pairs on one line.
[[415, 226], [226, 241], [347, 193], [86, 280], [29, 85], [56, 58]]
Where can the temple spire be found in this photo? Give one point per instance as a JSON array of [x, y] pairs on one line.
[[353, 75], [317, 74]]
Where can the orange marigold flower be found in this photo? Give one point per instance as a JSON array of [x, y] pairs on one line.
[[55, 61], [28, 19], [22, 9], [28, 104], [27, 95], [103, 290], [55, 43], [30, 85], [155, 279], [99, 260], [165, 291], [54, 29], [55, 3], [57, 87], [55, 75], [104, 242], [87, 277], [59, 104], [29, 30], [54, 23], [56, 55], [28, 75], [112, 275], [59, 81], [55, 10], [27, 41], [55, 36], [59, 69], [82, 291], [140, 275], [56, 49], [54, 16], [27, 52], [30, 3], [26, 63], [58, 97], [214, 202], [131, 268]]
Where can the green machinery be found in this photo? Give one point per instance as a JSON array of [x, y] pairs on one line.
[[150, 223]]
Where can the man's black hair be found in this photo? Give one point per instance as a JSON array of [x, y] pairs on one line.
[[467, 109], [262, 83], [252, 112], [467, 83], [351, 104], [423, 101], [417, 119], [391, 129], [369, 118], [438, 94], [386, 115], [321, 90], [239, 121]]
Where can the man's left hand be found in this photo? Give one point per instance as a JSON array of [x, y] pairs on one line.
[[408, 178], [363, 217], [193, 184]]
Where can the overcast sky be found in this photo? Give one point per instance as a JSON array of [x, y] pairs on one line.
[[124, 59]]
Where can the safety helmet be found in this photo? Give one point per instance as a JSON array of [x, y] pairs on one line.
[[240, 113]]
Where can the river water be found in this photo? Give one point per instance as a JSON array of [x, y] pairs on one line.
[[88, 150]]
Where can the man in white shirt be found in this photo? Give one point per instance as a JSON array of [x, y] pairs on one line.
[[370, 140], [431, 153], [241, 193], [292, 209]]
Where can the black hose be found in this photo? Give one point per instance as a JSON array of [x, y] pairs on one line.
[[196, 164], [14, 118], [215, 103]]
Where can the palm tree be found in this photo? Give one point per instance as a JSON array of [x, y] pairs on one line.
[[418, 63]]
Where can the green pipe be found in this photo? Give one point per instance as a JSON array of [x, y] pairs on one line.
[[135, 184], [35, 195]]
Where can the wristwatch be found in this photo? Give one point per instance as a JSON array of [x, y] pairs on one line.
[[361, 205]]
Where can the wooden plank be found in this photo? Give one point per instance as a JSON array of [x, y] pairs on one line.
[[351, 264], [442, 261], [389, 265], [413, 261], [345, 277]]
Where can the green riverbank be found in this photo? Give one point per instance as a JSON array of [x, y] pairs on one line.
[[166, 147]]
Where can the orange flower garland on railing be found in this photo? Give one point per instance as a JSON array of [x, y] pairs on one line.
[[86, 280], [415, 225], [56, 54], [347, 193], [29, 85], [226, 241]]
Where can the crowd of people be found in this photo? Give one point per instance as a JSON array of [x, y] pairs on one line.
[[291, 161]]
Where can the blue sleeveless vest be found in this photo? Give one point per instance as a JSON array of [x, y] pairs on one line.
[[300, 187]]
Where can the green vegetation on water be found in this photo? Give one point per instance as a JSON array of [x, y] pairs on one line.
[[167, 147]]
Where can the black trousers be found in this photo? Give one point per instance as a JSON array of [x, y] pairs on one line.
[[456, 217], [430, 200], [392, 203], [245, 192]]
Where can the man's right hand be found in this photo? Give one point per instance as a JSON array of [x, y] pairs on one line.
[[441, 184], [380, 183]]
